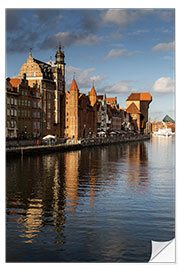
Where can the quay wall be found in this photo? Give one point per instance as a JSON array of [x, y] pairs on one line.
[[72, 145]]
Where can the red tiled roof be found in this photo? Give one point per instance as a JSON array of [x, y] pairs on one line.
[[93, 92], [15, 82], [111, 100], [132, 109], [140, 96], [73, 85]]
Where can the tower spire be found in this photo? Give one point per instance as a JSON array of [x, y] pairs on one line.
[[74, 75], [30, 52]]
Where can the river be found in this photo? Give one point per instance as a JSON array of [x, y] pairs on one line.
[[101, 204]]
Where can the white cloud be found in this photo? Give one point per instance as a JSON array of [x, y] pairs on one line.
[[119, 16], [126, 16], [84, 78], [117, 53], [164, 47], [164, 85], [117, 87]]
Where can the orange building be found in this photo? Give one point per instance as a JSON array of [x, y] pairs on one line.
[[137, 106], [80, 116]]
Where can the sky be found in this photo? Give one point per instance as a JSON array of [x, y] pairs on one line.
[[120, 51]]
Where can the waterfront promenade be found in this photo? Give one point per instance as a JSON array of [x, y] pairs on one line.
[[73, 144]]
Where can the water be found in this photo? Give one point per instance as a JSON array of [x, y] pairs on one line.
[[104, 204]]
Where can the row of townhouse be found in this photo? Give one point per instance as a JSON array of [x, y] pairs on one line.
[[85, 115], [37, 104]]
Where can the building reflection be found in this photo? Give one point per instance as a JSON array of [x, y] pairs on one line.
[[138, 177], [71, 161], [33, 221]]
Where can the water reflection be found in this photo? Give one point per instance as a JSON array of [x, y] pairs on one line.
[[138, 178], [91, 205], [33, 220]]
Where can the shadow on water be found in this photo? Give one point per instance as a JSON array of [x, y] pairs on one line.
[[104, 204]]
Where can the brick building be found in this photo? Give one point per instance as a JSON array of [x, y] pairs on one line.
[[11, 109], [50, 79], [137, 105], [80, 115]]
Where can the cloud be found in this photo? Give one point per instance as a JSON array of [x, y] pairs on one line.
[[69, 39], [48, 17], [124, 17], [119, 16], [117, 53], [117, 87], [164, 85], [13, 19], [89, 20], [84, 78], [167, 47]]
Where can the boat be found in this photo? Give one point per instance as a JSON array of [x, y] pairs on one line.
[[164, 132]]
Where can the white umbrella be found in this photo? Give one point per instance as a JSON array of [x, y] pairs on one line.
[[49, 137]]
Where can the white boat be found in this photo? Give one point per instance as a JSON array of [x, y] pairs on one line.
[[163, 132]]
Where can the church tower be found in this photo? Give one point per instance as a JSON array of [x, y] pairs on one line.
[[72, 111], [59, 74]]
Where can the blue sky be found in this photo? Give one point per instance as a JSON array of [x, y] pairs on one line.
[[121, 50]]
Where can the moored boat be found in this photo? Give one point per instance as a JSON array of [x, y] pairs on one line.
[[164, 132]]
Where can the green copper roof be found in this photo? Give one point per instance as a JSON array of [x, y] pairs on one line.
[[167, 118]]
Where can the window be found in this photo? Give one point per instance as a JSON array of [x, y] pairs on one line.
[[12, 101], [25, 113], [49, 115], [22, 102], [12, 112], [7, 100], [26, 93], [34, 73], [38, 125], [12, 123], [38, 114], [48, 125], [15, 124], [22, 93], [15, 101], [34, 114], [34, 125], [15, 112], [19, 113], [22, 113], [7, 124], [25, 102], [29, 103], [8, 112], [49, 105], [34, 104], [28, 113]]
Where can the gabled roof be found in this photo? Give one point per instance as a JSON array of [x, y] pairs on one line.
[[92, 92], [73, 85], [111, 100], [133, 109], [15, 82], [140, 96], [167, 118]]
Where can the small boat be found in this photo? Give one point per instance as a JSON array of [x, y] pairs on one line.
[[163, 132]]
